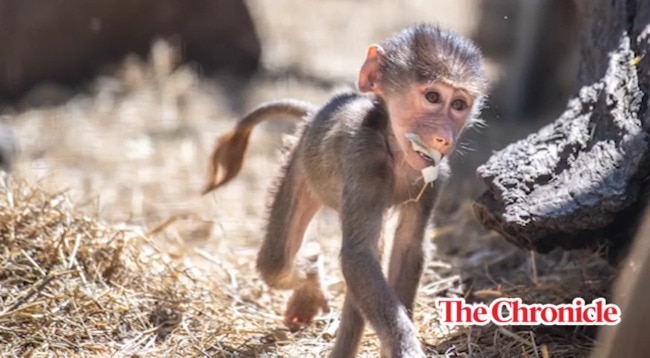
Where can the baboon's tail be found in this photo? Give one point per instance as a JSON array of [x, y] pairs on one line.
[[228, 155]]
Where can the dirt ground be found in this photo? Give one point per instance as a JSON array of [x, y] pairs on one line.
[[130, 149]]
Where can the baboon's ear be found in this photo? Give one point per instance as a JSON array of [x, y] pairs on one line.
[[369, 74]]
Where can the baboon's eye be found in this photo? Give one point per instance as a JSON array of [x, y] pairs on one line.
[[432, 97], [459, 105]]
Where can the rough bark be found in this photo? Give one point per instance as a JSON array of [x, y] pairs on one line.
[[581, 181]]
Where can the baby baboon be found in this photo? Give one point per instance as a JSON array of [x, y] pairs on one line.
[[361, 154]]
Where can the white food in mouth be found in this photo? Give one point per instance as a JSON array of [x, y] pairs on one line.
[[430, 173]]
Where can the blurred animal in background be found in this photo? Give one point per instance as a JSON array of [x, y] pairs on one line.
[[8, 147], [361, 153], [69, 41]]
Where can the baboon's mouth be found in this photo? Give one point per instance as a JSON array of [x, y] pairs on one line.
[[430, 155], [425, 152], [426, 157]]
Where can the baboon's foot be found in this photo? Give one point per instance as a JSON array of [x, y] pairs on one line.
[[304, 305]]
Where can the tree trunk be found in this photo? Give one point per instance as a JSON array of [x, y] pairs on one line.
[[582, 181]]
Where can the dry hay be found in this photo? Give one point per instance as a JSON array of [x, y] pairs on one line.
[[74, 286], [71, 285]]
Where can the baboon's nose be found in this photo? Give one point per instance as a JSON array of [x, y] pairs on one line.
[[442, 144]]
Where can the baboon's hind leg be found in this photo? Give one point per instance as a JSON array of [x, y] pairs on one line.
[[292, 209]]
